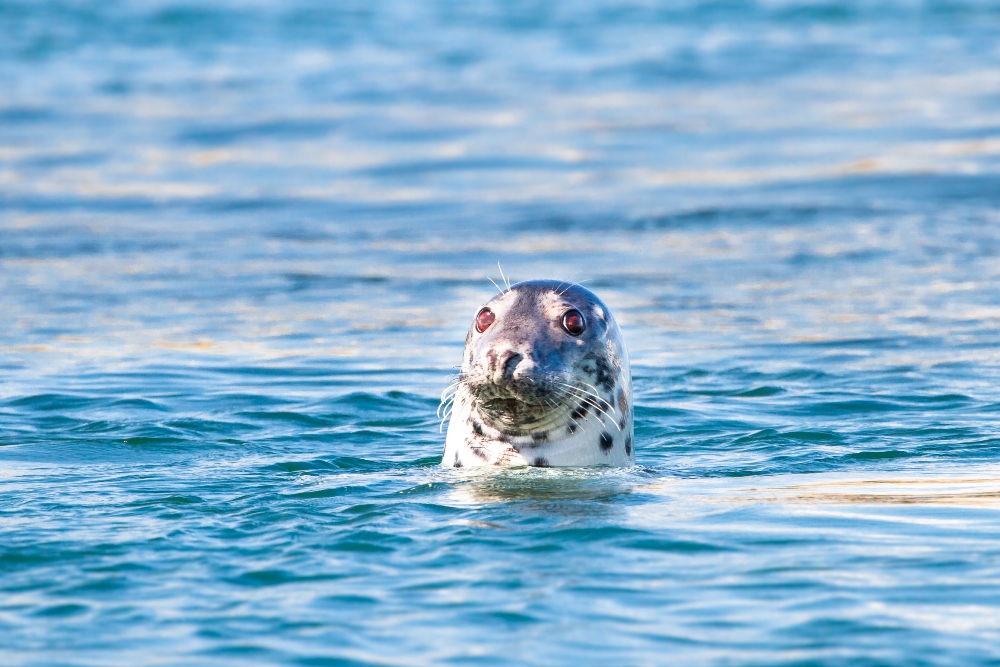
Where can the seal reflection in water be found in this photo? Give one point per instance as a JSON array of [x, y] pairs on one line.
[[545, 381]]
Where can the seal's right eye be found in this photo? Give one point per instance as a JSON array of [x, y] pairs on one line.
[[484, 319]]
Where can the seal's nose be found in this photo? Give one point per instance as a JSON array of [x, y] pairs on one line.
[[504, 364], [510, 363]]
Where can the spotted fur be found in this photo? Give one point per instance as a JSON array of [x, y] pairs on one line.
[[530, 393]]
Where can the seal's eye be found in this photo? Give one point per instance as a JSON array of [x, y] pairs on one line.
[[484, 319], [573, 322]]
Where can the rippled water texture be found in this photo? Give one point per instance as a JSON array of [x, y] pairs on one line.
[[241, 243]]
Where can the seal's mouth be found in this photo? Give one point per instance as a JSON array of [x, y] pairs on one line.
[[515, 418], [513, 410], [520, 407]]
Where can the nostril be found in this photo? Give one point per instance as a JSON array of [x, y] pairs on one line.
[[510, 363]]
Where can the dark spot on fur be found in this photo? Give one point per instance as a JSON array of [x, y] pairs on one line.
[[458, 461], [603, 375], [477, 428], [599, 369], [541, 462], [628, 445], [607, 442], [622, 401], [580, 412], [540, 437], [477, 451], [571, 428]]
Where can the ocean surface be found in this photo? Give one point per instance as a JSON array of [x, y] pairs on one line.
[[241, 244]]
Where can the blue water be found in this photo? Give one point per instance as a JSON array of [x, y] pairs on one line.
[[241, 243]]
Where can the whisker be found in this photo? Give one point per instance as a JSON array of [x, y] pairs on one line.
[[506, 282], [595, 392], [587, 399], [448, 396], [570, 283], [445, 414], [589, 386], [444, 405], [550, 402], [608, 405]]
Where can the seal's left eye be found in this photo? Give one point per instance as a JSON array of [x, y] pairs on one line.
[[484, 319], [573, 322]]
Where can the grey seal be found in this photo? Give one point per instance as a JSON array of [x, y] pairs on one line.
[[545, 381]]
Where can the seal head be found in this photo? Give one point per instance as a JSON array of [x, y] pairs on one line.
[[545, 381]]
